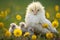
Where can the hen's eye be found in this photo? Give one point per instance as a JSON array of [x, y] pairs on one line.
[[38, 10], [32, 10]]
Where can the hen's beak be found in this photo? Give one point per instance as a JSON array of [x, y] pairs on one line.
[[35, 12]]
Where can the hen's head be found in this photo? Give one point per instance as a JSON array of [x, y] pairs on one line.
[[35, 8]]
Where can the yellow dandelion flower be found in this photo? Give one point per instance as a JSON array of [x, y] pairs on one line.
[[1, 24], [34, 37], [58, 15], [55, 23], [49, 35], [17, 32], [2, 14], [18, 17], [47, 15], [26, 34], [56, 8], [45, 25], [7, 34]]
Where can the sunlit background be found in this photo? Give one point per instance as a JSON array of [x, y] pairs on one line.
[[15, 10]]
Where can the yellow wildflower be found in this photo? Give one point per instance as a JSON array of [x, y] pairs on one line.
[[17, 32], [57, 8], [2, 14], [7, 34], [47, 15], [58, 15], [49, 35], [45, 25], [55, 23], [1, 24], [26, 34], [34, 37], [18, 17]]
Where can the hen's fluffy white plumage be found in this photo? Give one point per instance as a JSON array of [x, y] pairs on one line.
[[35, 21]]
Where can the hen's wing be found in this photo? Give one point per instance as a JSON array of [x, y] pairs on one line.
[[50, 28]]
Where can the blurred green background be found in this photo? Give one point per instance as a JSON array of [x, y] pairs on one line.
[[10, 8], [19, 7]]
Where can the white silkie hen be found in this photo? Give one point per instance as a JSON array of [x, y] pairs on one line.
[[35, 17]]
